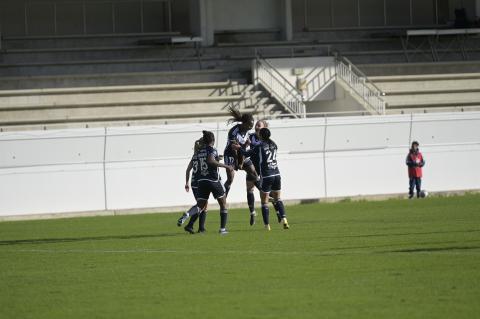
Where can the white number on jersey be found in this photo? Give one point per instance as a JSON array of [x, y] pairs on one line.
[[195, 167], [203, 166]]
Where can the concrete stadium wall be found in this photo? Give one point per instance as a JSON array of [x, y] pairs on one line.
[[78, 17], [246, 14], [49, 172]]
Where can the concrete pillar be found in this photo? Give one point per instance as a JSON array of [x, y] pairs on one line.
[[287, 25], [201, 20]]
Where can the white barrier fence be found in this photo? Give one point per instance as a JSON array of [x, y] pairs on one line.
[[141, 167]]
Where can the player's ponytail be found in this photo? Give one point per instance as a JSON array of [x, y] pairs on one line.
[[208, 137], [265, 135], [199, 144], [244, 118]]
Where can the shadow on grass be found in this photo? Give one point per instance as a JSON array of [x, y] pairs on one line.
[[433, 249], [80, 239], [401, 234]]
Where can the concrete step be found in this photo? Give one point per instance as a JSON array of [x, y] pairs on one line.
[[91, 54], [101, 66], [450, 85], [433, 100], [112, 94], [119, 122], [451, 108], [115, 79], [220, 101], [75, 41], [426, 77], [421, 69], [109, 121]]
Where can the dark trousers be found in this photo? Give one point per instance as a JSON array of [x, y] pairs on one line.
[[415, 182]]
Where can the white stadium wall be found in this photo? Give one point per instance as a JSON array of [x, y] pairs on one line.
[[48, 172]]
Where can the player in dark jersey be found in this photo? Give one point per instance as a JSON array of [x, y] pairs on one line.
[[251, 180], [237, 135], [264, 157], [209, 181], [193, 165]]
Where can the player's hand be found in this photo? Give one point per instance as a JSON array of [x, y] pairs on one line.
[[229, 168], [236, 146], [220, 157], [187, 188]]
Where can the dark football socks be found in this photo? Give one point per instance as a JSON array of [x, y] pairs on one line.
[[223, 218], [251, 201], [281, 209], [201, 223], [192, 221], [265, 214]]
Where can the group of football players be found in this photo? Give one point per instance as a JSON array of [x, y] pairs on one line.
[[255, 153]]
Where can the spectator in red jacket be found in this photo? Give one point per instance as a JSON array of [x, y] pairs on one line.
[[415, 162]]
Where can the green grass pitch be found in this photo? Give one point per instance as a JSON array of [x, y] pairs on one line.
[[387, 259]]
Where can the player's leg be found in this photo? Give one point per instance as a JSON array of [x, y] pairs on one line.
[[220, 195], [193, 212], [229, 160], [275, 206], [265, 209], [201, 205], [250, 184], [276, 192], [265, 189], [202, 220], [202, 195]]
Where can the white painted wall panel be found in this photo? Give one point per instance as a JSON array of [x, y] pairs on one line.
[[41, 190], [41, 172], [354, 173]]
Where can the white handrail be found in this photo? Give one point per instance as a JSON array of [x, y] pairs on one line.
[[357, 81], [317, 80]]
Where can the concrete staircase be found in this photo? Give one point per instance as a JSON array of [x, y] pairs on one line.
[[128, 105]]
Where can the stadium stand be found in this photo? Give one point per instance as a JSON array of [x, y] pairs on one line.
[[83, 81], [128, 105]]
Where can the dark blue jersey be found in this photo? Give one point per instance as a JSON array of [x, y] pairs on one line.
[[254, 140], [236, 134], [206, 171], [264, 158]]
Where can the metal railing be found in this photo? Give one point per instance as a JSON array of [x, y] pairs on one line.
[[279, 87], [359, 83], [318, 80]]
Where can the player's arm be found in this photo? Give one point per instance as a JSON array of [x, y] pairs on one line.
[[244, 152], [213, 162], [187, 175]]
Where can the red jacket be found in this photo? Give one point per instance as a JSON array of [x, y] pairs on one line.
[[415, 162]]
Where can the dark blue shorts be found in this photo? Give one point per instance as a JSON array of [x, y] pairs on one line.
[[271, 184], [205, 187], [195, 191]]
